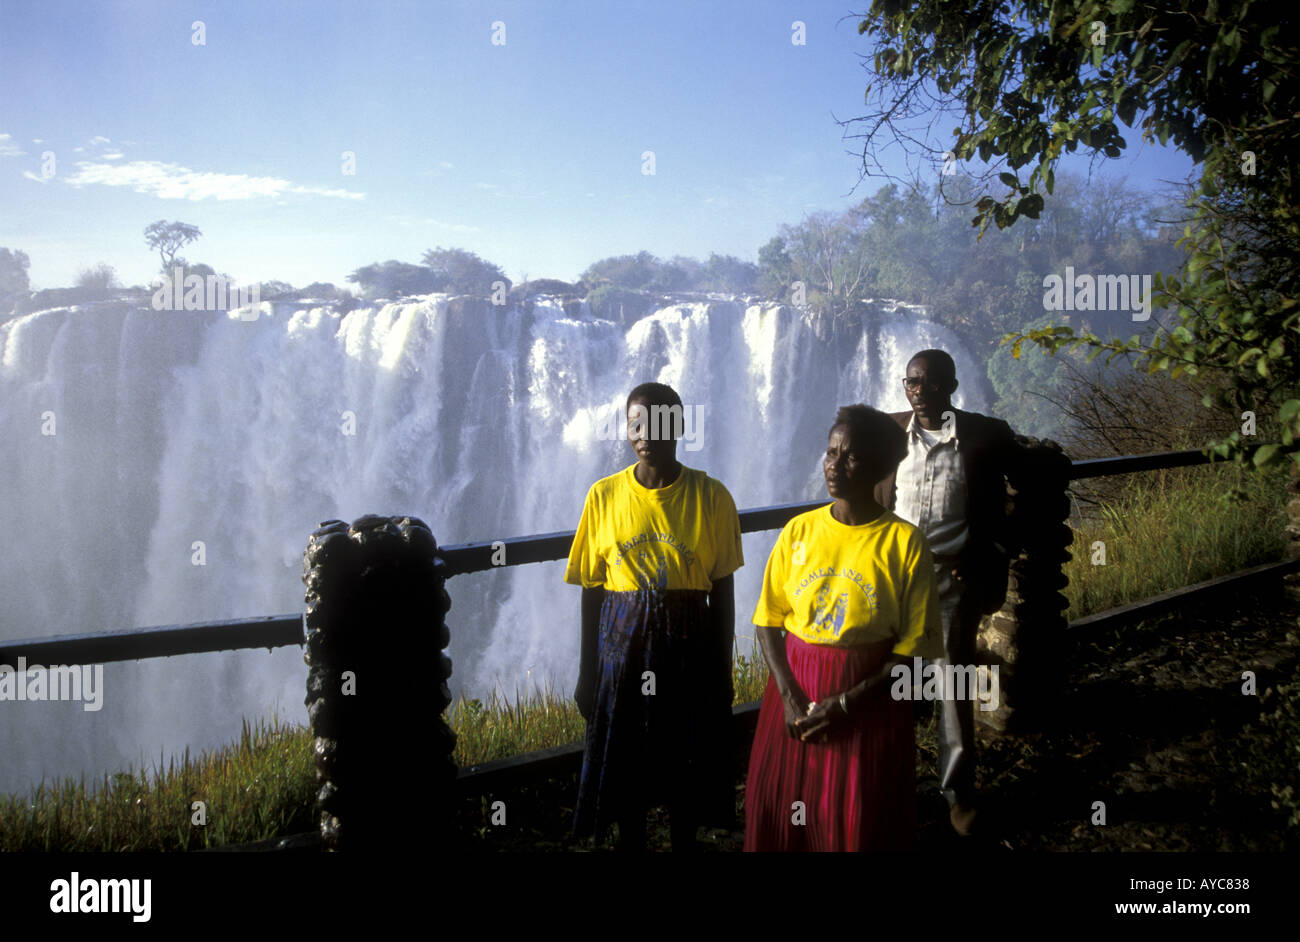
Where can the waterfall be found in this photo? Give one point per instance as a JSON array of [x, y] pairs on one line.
[[167, 467]]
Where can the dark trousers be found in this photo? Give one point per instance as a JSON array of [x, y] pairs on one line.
[[961, 617]]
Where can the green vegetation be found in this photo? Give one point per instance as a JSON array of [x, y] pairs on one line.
[[259, 788], [645, 272], [1172, 528], [462, 272], [14, 283], [1033, 80]]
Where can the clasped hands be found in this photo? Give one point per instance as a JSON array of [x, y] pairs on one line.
[[810, 721]]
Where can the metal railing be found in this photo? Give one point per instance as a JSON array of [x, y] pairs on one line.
[[272, 631]]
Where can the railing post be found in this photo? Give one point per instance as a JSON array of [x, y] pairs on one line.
[[377, 687], [1024, 638]]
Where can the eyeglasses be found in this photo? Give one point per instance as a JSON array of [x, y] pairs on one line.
[[915, 382]]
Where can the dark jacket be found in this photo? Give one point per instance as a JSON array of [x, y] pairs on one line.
[[989, 456]]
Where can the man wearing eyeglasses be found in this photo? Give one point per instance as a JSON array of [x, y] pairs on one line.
[[952, 485]]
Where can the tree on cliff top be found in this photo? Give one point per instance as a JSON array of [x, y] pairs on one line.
[[633, 272], [169, 238], [100, 281], [1038, 78], [14, 283], [393, 279], [463, 272]]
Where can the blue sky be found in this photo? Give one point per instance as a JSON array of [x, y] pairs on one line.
[[528, 153]]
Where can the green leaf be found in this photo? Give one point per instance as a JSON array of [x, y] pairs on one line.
[[1030, 206], [1127, 108], [1289, 410], [1264, 455]]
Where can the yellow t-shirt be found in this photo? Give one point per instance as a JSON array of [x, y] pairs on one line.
[[683, 536], [830, 583]]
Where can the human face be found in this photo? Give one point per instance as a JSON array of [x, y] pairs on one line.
[[641, 428], [847, 465], [928, 393]]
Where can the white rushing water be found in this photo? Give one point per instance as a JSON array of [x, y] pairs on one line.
[[132, 435]]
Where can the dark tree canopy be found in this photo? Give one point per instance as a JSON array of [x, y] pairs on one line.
[[463, 272], [168, 238], [724, 274], [100, 280], [1032, 80], [14, 283], [392, 279]]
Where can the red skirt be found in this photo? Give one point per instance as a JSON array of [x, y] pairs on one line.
[[858, 788]]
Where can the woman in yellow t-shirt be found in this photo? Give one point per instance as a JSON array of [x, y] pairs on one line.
[[853, 588], [654, 553]]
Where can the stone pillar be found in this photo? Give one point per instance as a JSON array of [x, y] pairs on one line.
[[377, 687], [1024, 638]]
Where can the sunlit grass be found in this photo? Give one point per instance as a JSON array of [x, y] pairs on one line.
[[500, 727], [1174, 528], [258, 788]]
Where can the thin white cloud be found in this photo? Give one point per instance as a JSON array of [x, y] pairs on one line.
[[453, 226], [38, 140], [116, 155], [446, 164], [174, 182], [97, 139], [39, 179], [10, 149]]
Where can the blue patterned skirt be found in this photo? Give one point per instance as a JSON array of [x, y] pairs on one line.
[[661, 730]]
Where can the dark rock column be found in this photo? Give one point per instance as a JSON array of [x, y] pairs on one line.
[[377, 683], [1024, 638]]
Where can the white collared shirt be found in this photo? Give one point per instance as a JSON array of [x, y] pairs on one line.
[[931, 488]]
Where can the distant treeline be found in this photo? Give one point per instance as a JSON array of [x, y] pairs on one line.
[[916, 246]]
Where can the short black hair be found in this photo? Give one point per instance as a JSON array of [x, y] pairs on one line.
[[940, 360], [655, 394], [883, 438]]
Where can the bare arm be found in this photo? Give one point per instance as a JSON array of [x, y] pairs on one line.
[[792, 695]]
